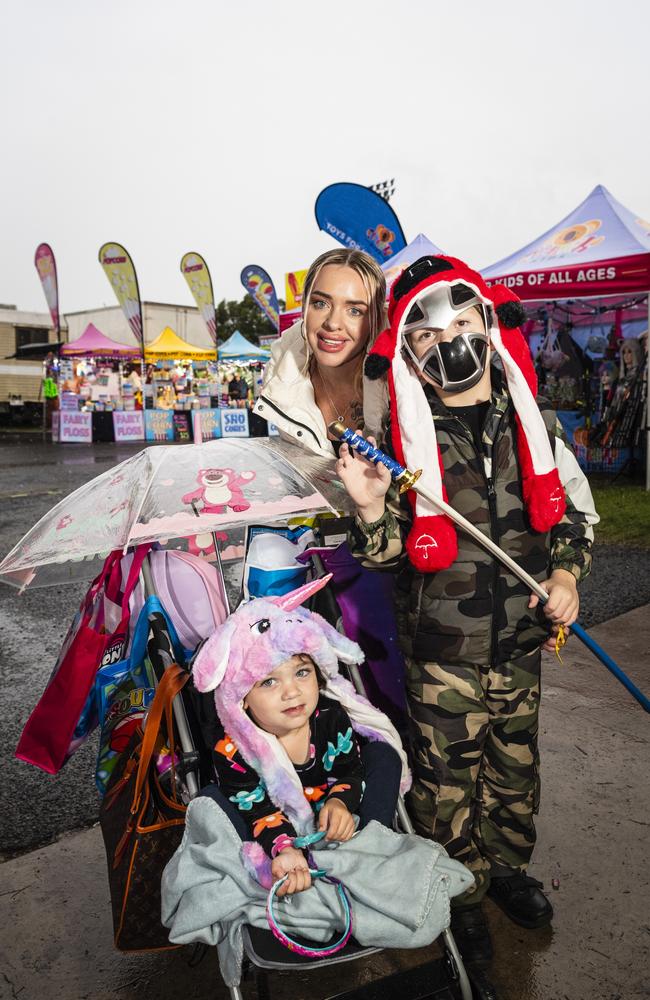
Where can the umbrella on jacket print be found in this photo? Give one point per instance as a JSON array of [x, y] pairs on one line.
[[171, 491]]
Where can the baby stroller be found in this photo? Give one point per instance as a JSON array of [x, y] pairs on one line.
[[446, 978]]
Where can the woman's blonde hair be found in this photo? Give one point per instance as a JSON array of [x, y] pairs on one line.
[[374, 283]]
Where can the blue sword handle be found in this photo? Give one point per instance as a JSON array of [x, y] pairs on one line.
[[401, 475]]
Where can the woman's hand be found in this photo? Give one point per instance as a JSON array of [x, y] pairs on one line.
[[563, 601], [337, 820], [366, 483], [291, 862]]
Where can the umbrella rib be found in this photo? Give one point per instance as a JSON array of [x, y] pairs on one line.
[[144, 497]]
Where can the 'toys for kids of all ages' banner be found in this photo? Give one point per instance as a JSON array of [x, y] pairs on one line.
[[259, 285], [360, 219], [118, 268], [128, 425], [195, 271]]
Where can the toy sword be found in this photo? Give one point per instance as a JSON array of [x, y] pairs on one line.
[[407, 480]]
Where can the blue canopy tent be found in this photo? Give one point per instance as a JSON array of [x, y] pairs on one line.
[[237, 348]]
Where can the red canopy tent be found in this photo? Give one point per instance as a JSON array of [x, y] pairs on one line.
[[599, 249]]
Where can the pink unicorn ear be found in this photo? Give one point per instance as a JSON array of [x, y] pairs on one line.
[[297, 597], [212, 658]]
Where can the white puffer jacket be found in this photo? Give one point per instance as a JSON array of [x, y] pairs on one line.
[[287, 398]]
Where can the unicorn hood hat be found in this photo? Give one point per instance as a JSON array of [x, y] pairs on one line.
[[431, 544], [251, 643]]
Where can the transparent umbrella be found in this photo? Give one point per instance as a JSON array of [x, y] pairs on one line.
[[172, 491]]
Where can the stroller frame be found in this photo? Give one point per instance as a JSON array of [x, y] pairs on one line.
[[352, 951]]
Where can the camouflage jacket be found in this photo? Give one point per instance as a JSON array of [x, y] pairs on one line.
[[476, 611]]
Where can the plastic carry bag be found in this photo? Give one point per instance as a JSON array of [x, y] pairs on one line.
[[125, 690]]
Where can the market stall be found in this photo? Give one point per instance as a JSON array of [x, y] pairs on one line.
[[585, 285], [241, 370], [99, 391], [181, 380]]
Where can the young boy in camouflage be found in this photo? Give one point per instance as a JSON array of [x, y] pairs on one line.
[[470, 631]]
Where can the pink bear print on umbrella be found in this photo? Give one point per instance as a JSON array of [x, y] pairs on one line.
[[219, 489]]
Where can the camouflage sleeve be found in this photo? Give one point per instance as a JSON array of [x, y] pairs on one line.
[[572, 538]]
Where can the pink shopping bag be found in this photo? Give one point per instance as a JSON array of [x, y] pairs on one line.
[[46, 739]]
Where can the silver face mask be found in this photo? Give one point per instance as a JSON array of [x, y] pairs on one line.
[[452, 365]]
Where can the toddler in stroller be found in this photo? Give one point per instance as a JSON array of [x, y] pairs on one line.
[[289, 769]]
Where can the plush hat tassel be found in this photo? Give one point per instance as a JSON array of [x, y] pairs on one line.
[[432, 543], [543, 492]]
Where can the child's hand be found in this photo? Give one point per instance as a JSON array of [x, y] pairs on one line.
[[563, 601], [292, 862], [365, 482], [549, 645], [337, 820]]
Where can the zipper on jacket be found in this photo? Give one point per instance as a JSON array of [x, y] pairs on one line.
[[496, 538], [455, 423], [494, 531], [277, 409]]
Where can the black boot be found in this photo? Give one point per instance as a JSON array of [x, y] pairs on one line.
[[471, 934], [522, 899]]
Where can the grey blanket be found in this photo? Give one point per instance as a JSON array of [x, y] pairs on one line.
[[399, 886]]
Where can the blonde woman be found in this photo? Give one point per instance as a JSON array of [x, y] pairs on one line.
[[315, 374]]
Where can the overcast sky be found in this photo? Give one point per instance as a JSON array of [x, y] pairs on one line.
[[208, 125]]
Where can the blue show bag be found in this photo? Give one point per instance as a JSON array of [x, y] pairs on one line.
[[124, 690], [271, 567]]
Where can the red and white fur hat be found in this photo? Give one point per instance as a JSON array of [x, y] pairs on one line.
[[432, 544]]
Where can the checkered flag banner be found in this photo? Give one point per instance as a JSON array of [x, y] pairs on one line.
[[385, 188]]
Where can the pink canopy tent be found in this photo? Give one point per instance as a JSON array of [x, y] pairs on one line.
[[601, 248], [93, 343]]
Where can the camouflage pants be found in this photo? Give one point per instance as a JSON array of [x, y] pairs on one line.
[[475, 757]]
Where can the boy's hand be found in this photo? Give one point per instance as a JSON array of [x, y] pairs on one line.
[[292, 862], [366, 483], [549, 645], [337, 820], [563, 601]]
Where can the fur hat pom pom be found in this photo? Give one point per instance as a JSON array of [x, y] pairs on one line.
[[376, 366], [511, 314]]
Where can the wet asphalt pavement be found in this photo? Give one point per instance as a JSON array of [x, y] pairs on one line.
[[35, 808]]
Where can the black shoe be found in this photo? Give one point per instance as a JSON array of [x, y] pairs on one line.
[[522, 899], [471, 934]]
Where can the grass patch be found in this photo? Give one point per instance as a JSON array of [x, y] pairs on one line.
[[624, 513]]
